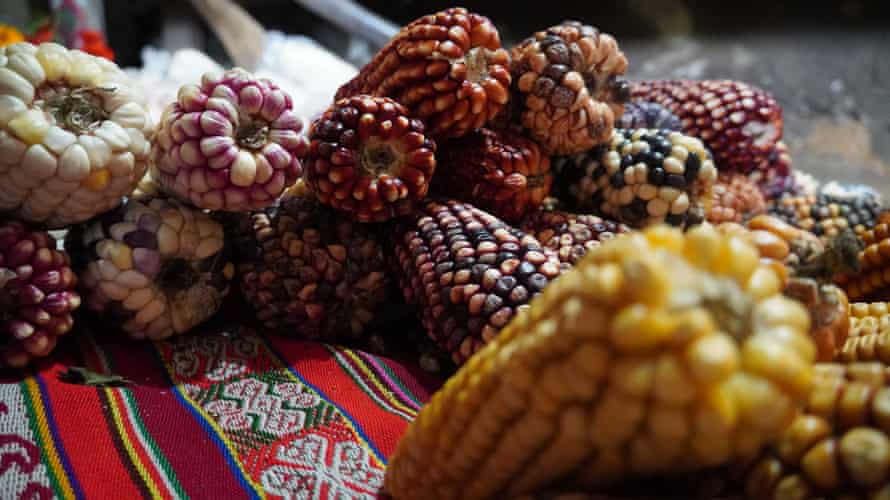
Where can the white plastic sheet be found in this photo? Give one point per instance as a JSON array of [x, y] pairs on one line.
[[303, 68]]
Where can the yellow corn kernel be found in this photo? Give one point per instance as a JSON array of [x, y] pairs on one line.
[[31, 126], [54, 59], [121, 255], [229, 271], [98, 180]]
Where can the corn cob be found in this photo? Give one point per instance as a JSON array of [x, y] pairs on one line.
[[231, 143], [734, 197], [568, 89], [369, 158], [74, 134], [310, 272], [468, 272], [502, 172], [834, 208], [875, 273], [659, 352], [447, 68], [641, 177], [741, 124], [571, 235], [37, 294], [155, 267], [839, 446]]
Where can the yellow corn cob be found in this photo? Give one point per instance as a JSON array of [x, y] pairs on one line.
[[869, 336], [869, 317], [838, 446], [875, 274], [876, 374], [658, 352]]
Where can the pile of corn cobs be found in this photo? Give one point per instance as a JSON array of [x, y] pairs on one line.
[[634, 280]]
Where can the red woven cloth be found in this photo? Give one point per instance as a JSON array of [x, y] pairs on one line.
[[228, 414]]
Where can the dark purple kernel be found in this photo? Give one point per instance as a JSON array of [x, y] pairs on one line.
[[676, 181], [141, 238]]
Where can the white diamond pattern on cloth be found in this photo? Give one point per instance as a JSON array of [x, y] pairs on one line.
[[306, 471], [22, 473], [273, 408], [220, 360]]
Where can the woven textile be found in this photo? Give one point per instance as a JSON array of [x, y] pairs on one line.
[[230, 414]]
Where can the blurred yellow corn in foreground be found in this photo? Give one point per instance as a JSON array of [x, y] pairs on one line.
[[659, 352]]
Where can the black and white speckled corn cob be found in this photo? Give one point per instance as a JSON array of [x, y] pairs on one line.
[[641, 177], [834, 208], [468, 272]]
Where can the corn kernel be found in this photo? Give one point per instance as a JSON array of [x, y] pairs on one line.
[[712, 358], [31, 126], [97, 180], [229, 271], [121, 255]]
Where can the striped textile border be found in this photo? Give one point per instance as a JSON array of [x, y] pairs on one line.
[[137, 449], [366, 378], [63, 480]]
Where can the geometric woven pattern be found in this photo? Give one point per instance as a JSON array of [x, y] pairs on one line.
[[220, 414]]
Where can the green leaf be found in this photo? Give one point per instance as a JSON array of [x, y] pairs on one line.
[[82, 376]]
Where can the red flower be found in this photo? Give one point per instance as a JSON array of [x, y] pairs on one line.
[[93, 42], [43, 34]]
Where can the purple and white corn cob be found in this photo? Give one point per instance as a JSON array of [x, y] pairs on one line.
[[155, 267], [37, 294], [231, 143]]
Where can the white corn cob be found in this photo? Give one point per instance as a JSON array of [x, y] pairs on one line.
[[74, 135]]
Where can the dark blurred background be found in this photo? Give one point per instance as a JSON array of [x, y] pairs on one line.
[[827, 62], [133, 23]]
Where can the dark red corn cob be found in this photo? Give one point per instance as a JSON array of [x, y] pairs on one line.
[[367, 157], [740, 124], [570, 235], [310, 272], [448, 68], [37, 294], [468, 272], [500, 171], [568, 88]]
